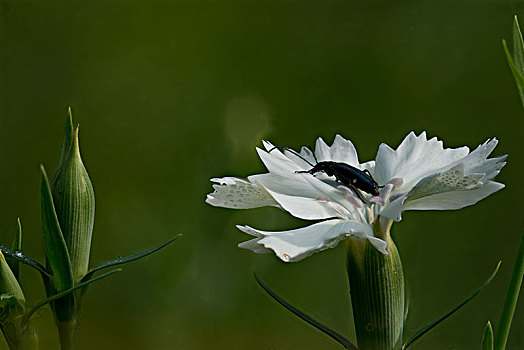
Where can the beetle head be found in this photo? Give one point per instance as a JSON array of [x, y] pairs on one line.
[[326, 167]]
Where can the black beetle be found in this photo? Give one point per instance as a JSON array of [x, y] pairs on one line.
[[344, 173]]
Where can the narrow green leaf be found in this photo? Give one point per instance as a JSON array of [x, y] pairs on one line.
[[326, 330], [518, 46], [487, 340], [19, 256], [41, 303], [511, 299], [55, 246], [519, 78], [120, 261], [436, 322], [14, 264]]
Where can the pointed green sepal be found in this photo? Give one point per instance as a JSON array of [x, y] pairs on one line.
[[324, 329], [74, 200], [14, 264], [442, 318], [55, 246], [487, 339], [120, 261], [66, 144]]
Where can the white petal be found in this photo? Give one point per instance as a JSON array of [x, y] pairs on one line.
[[414, 159], [291, 185], [480, 153], [295, 245], [454, 186], [306, 185], [322, 150], [370, 166], [379, 244], [239, 194], [453, 200], [277, 163], [386, 164], [491, 167], [303, 207], [301, 163], [394, 209], [307, 153], [450, 180], [304, 160], [267, 145], [441, 201], [477, 162], [343, 151], [253, 245]]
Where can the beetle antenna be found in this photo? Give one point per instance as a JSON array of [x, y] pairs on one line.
[[294, 152], [313, 152]]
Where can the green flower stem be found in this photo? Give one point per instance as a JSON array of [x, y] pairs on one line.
[[66, 330], [377, 292], [26, 340], [501, 337]]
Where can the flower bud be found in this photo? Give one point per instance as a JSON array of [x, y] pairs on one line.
[[376, 284], [12, 309], [8, 283], [74, 201]]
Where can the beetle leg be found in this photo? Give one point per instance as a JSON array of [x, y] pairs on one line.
[[350, 196], [357, 193]]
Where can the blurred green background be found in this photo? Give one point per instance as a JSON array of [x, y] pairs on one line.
[[170, 94]]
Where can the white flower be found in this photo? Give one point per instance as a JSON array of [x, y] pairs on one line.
[[419, 175]]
